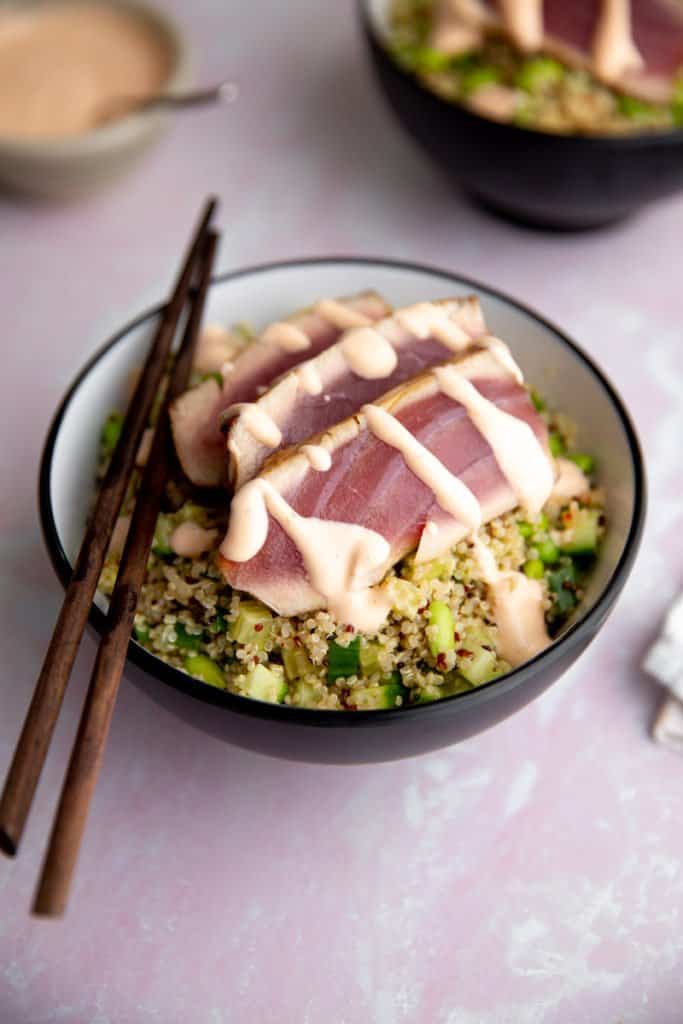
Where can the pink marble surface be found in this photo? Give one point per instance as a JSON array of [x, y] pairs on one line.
[[530, 875]]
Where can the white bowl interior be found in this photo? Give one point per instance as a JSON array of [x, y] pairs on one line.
[[258, 297]]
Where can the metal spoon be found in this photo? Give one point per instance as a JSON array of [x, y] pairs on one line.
[[222, 92]]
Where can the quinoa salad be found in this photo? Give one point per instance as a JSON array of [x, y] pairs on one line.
[[495, 78], [440, 634]]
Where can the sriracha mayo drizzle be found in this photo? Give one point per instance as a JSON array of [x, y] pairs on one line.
[[286, 336], [614, 49], [344, 561]]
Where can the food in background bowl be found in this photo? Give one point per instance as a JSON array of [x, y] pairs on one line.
[[407, 524], [582, 68]]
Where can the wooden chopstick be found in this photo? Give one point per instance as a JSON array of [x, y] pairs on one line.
[[86, 757], [46, 703]]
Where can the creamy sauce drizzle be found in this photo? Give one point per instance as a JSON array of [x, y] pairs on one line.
[[426, 320], [524, 21], [286, 336], [341, 559], [614, 49], [518, 608], [308, 378], [190, 540], [451, 493], [571, 481], [257, 422], [517, 450], [340, 315], [216, 346], [318, 457], [503, 355], [64, 67], [368, 353]]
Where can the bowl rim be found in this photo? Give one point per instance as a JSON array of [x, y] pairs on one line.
[[577, 634], [669, 136], [121, 129]]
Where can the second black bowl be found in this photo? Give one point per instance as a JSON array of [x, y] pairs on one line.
[[551, 181]]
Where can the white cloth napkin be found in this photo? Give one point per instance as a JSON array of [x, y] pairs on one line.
[[664, 661]]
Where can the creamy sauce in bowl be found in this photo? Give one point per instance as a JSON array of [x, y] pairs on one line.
[[65, 65]]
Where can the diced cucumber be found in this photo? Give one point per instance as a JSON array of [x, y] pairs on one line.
[[253, 625], [480, 667], [538, 73], [206, 669], [534, 569], [368, 656], [586, 463], [380, 696], [442, 637], [343, 661], [303, 694], [188, 641], [296, 662], [111, 432], [267, 684], [582, 532], [161, 545]]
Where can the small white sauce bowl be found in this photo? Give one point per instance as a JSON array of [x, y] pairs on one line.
[[64, 168]]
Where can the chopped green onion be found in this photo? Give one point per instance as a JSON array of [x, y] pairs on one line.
[[538, 403], [635, 109], [111, 432], [343, 661], [534, 569], [547, 551], [161, 545], [562, 582], [141, 634], [485, 74], [188, 641], [219, 624], [557, 445], [526, 529], [215, 375]]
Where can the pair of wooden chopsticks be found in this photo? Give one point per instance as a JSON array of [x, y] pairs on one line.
[[53, 889]]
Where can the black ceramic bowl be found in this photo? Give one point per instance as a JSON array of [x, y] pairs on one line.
[[549, 359], [552, 181]]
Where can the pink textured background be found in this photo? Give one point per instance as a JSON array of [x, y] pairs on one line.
[[530, 875]]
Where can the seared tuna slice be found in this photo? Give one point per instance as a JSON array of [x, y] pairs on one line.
[[366, 362], [422, 467], [195, 416], [636, 46]]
